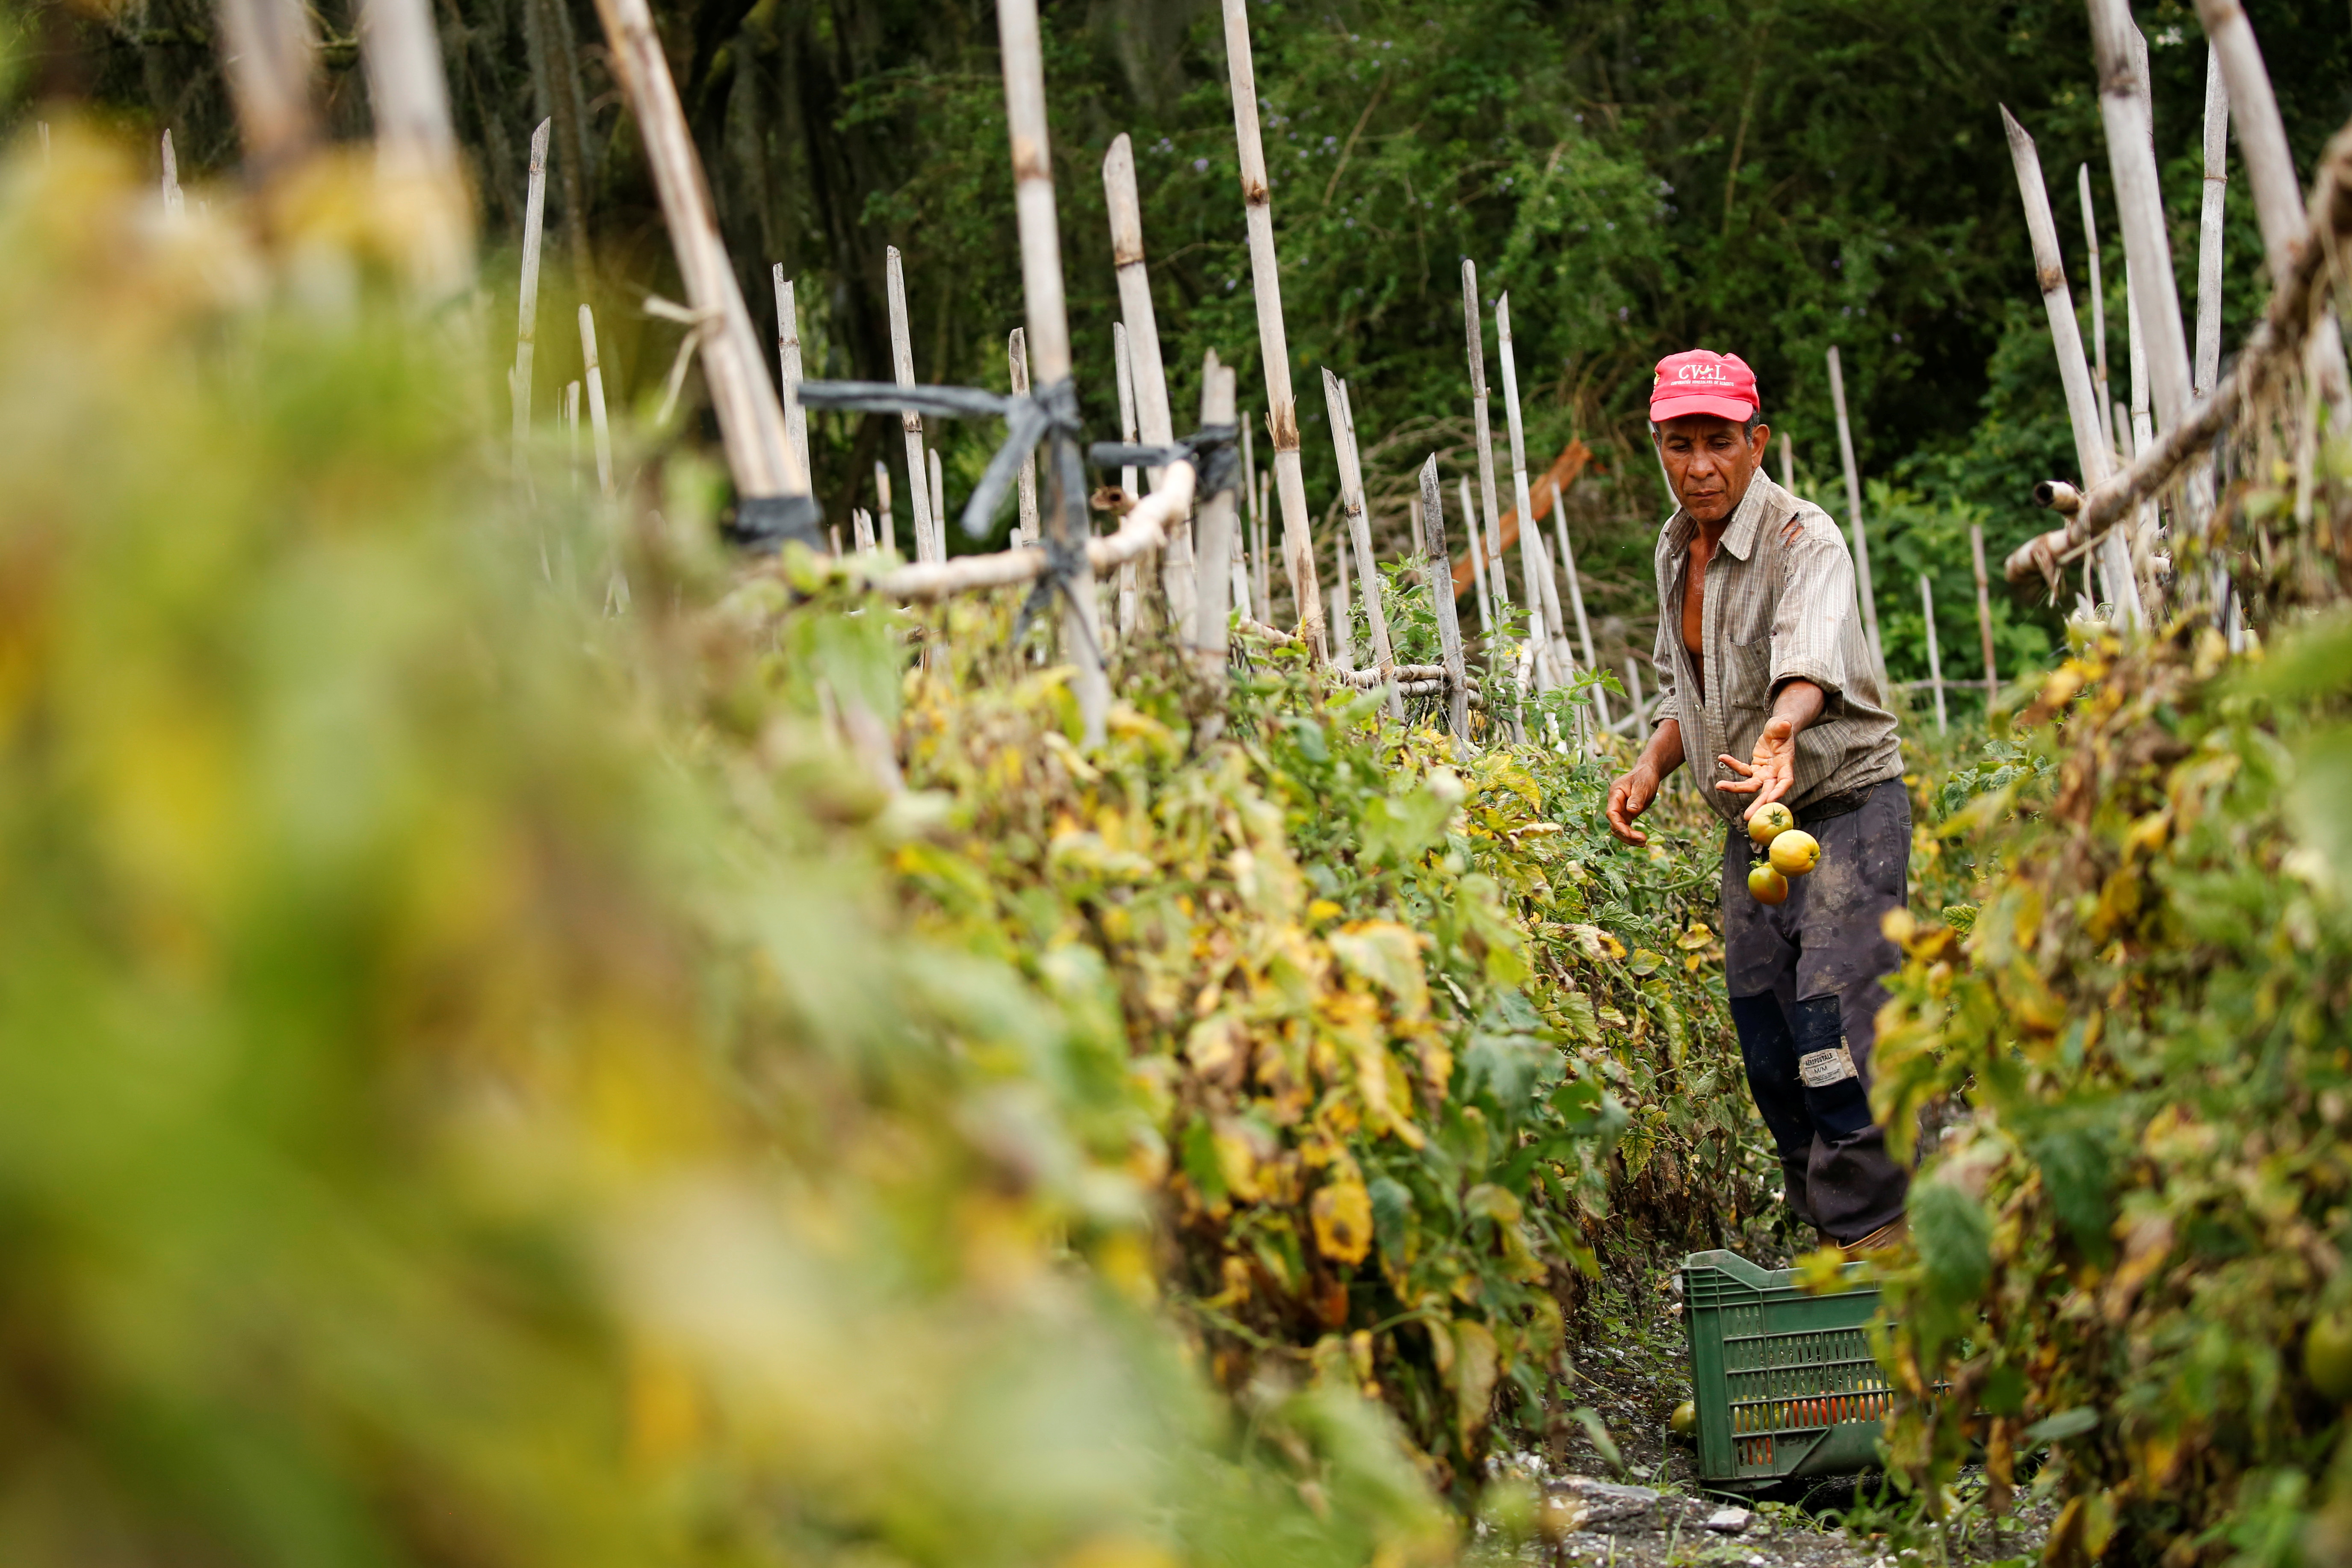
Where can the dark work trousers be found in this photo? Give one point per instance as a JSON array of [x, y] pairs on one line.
[[1806, 979]]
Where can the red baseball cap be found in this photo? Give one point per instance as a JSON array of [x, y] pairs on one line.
[[1701, 382]]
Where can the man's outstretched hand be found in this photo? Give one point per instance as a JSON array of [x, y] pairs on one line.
[[1771, 774], [1629, 796]]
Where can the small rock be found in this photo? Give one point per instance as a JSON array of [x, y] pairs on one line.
[[1604, 1503], [1729, 1521]]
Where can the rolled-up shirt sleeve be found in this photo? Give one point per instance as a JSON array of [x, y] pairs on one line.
[[1811, 628]]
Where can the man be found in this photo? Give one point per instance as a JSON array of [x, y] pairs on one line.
[[1761, 656]]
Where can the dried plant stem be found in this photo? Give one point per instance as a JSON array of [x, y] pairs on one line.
[[1274, 340], [598, 428], [1853, 516], [760, 456], [1436, 562], [1359, 528], [175, 205], [902, 368], [527, 305], [1017, 357], [1049, 346], [1984, 611], [1152, 411]]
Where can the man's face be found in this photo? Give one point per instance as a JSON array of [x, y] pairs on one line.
[[1710, 462]]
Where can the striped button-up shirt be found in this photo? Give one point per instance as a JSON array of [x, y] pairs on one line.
[[1776, 610]]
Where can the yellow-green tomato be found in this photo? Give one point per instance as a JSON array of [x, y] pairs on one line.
[[1684, 1420], [2327, 1355], [1795, 852], [1765, 885], [1769, 822]]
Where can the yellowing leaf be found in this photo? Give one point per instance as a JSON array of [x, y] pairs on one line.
[[1387, 954], [1342, 1214]]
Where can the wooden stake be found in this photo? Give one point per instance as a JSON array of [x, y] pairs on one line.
[[2058, 305], [938, 497], [1482, 424], [1343, 638], [882, 505], [1262, 610], [1470, 525], [1984, 613], [572, 428], [2139, 201], [2099, 381], [1123, 364], [1016, 355], [751, 416], [1935, 663], [2262, 134], [1152, 415], [175, 205], [902, 367], [1524, 501], [861, 530], [1274, 340], [2207, 366], [1213, 609], [1357, 529], [1641, 704], [269, 57], [1049, 342], [416, 144], [1854, 515], [1437, 571], [1266, 545], [1478, 571], [1788, 464], [527, 306], [788, 356]]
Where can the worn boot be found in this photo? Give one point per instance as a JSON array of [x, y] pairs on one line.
[[1886, 1238]]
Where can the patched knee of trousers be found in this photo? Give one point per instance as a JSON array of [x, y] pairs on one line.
[[1834, 1095]]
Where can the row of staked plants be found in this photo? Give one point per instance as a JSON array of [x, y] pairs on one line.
[[493, 1076]]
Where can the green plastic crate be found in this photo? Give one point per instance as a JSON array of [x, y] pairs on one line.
[[1784, 1383]]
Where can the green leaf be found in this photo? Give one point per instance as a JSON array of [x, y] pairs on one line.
[[2059, 1427], [1955, 1237]]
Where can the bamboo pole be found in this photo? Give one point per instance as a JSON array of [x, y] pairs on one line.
[[2262, 134], [1470, 525], [788, 358], [2099, 380], [1016, 355], [2139, 202], [1260, 609], [1478, 571], [1935, 662], [751, 416], [1788, 464], [1049, 348], [1357, 528], [527, 304], [1984, 613], [269, 58], [1522, 499], [572, 428], [1482, 421], [1264, 492], [1123, 364], [415, 141], [1212, 607], [1153, 413], [1854, 514], [2207, 368], [175, 205], [1641, 704], [1437, 571], [594, 376], [1343, 636], [938, 494], [1274, 340], [910, 423], [882, 505]]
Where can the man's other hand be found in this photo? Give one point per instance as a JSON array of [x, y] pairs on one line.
[[1629, 797], [1772, 772]]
